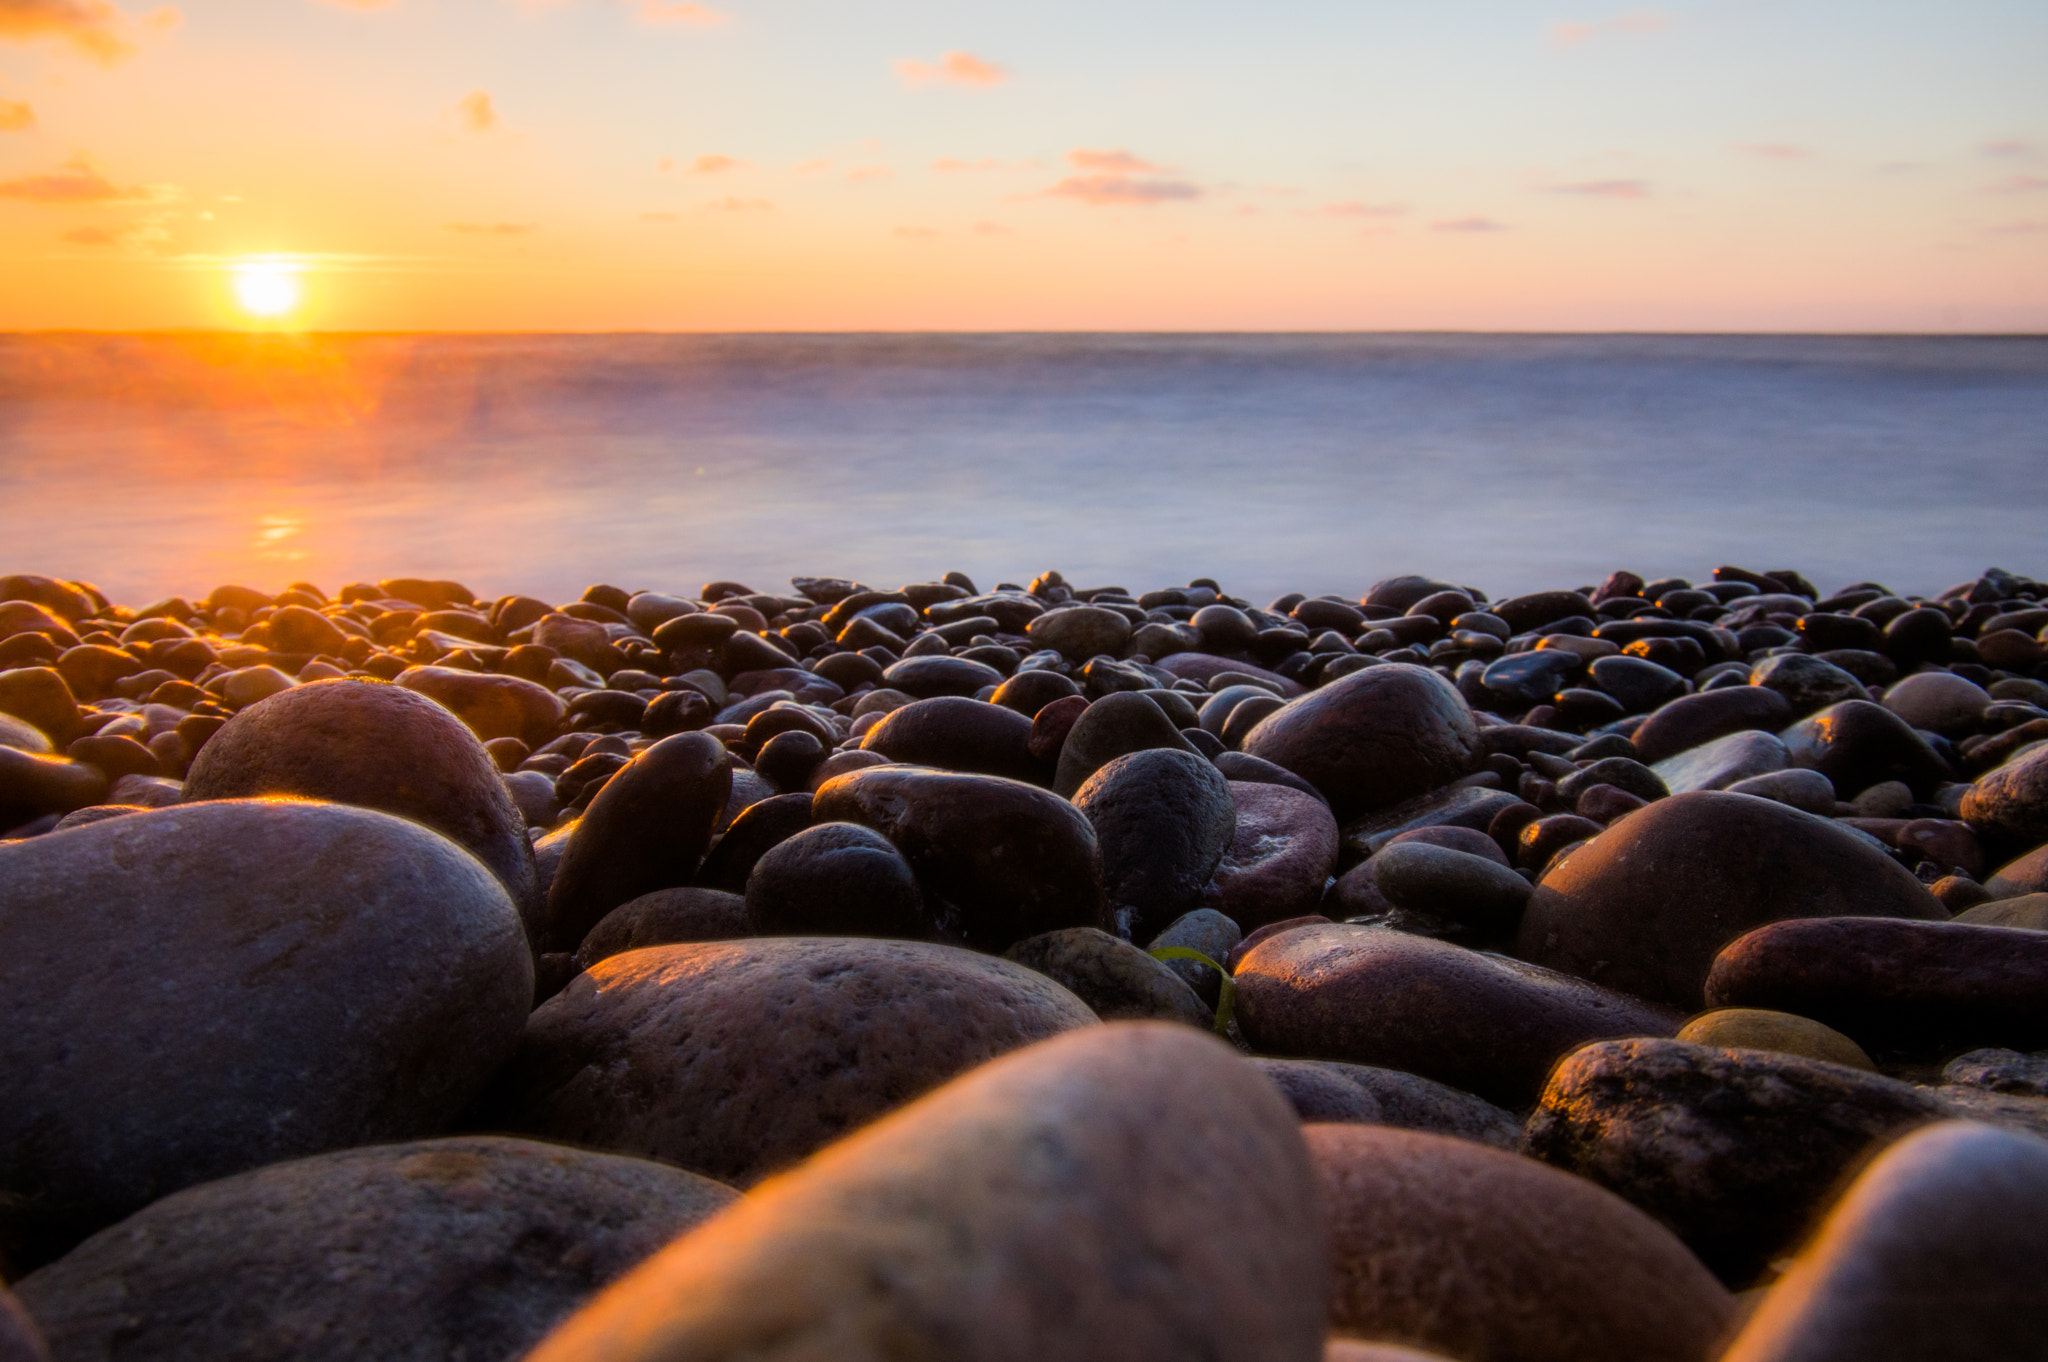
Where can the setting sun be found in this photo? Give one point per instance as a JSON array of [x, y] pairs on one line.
[[267, 288]]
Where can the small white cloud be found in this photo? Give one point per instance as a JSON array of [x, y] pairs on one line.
[[477, 111], [1104, 191], [1635, 23], [954, 68], [1116, 161]]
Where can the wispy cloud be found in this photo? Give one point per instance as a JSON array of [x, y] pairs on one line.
[[94, 27], [990, 229], [1116, 162], [2028, 227], [1104, 191], [1604, 189], [1354, 208], [477, 111], [738, 205], [2007, 147], [1635, 23], [953, 68], [79, 182], [16, 116], [713, 164], [1774, 151], [145, 233], [680, 12], [1468, 225], [2018, 184], [490, 228]]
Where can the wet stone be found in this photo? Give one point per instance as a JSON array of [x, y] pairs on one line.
[[1372, 739], [1928, 1254], [958, 734], [1736, 1150], [1112, 727], [1481, 1253], [1645, 906], [1857, 744], [647, 829], [1058, 1168], [738, 1059], [1896, 987], [1163, 820], [1485, 1023], [1753, 1028], [1325, 1091], [1205, 930], [380, 747], [663, 918], [1116, 979], [293, 977], [998, 860], [1692, 720], [442, 1239], [835, 879], [1807, 683], [1281, 854]]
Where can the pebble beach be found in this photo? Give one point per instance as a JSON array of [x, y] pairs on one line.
[[1632, 971]]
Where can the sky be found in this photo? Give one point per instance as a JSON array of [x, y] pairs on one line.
[[612, 165]]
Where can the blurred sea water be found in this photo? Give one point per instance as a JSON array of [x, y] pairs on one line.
[[541, 464]]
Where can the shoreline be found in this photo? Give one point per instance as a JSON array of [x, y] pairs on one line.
[[1578, 947]]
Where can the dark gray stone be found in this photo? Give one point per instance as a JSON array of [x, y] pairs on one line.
[[194, 991], [471, 1246]]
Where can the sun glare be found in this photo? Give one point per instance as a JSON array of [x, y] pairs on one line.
[[268, 289]]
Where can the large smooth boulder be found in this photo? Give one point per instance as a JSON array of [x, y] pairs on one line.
[[193, 991], [737, 1059], [998, 860], [1934, 1252], [645, 830], [1476, 1252], [1063, 1202], [1645, 906], [1373, 738], [376, 746], [469, 1246], [1370, 995], [1163, 819]]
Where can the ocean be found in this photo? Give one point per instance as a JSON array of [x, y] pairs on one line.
[[540, 464]]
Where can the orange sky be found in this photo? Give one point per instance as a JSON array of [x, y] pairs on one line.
[[797, 164]]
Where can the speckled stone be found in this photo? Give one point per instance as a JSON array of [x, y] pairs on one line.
[[461, 1247], [737, 1059], [1024, 1192]]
